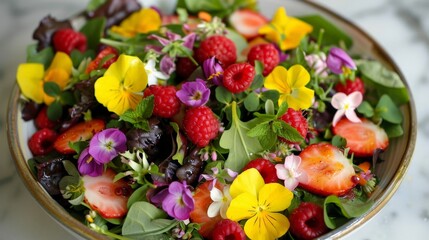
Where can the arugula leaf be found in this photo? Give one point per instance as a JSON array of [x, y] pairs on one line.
[[241, 146]]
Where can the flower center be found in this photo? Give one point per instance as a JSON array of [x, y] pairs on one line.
[[197, 95]]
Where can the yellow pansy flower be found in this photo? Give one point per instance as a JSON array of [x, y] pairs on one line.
[[142, 21], [122, 84], [260, 203], [32, 76], [286, 31], [291, 86]]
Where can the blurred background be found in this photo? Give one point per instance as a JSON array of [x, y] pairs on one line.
[[400, 26]]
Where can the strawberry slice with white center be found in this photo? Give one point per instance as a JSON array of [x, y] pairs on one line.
[[328, 170], [362, 138], [247, 22], [106, 197]]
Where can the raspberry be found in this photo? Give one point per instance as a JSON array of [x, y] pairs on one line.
[[351, 86], [238, 77], [306, 221], [41, 142], [228, 229], [166, 103], [42, 120], [266, 168], [297, 121], [265, 53], [95, 64], [66, 39], [185, 67], [200, 125], [219, 46]]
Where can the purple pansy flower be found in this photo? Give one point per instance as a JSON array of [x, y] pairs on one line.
[[338, 61], [87, 166], [194, 94], [107, 144], [178, 201], [213, 71]]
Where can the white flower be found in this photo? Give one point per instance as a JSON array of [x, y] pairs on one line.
[[318, 63], [290, 173], [221, 201], [152, 73], [346, 105]]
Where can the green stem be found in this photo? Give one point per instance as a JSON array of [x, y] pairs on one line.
[[114, 235], [118, 44]]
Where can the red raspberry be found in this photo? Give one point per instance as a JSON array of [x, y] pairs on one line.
[[265, 53], [185, 67], [306, 221], [219, 46], [42, 120], [297, 121], [166, 103], [228, 229], [41, 142], [238, 77], [351, 86], [266, 168], [200, 125], [95, 64], [66, 39]]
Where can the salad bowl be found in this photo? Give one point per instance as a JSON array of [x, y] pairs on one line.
[[390, 172]]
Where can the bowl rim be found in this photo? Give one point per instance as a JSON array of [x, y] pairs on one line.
[[74, 226]]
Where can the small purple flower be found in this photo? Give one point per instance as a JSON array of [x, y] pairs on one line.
[[179, 202], [167, 65], [213, 71], [107, 144], [339, 61], [194, 94], [87, 166]]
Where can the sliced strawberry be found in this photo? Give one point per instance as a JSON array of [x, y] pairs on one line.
[[328, 170], [104, 59], [202, 202], [80, 132], [105, 196], [247, 22], [362, 138]]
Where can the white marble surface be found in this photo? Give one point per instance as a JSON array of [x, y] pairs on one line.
[[400, 26]]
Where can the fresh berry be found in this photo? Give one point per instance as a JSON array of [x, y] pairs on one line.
[[106, 196], [247, 22], [42, 120], [200, 125], [66, 40], [40, 143], [166, 103], [362, 138], [79, 132], [265, 53], [307, 221], [185, 67], [296, 120], [202, 202], [238, 77], [219, 46], [328, 170], [350, 86], [266, 168], [104, 59], [228, 229]]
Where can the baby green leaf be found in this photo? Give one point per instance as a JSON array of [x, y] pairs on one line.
[[251, 102], [349, 209], [52, 89], [54, 111], [388, 110], [366, 109], [223, 95], [94, 30], [44, 56], [393, 130]]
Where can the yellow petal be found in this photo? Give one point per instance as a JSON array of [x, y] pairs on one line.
[[280, 17], [242, 207], [266, 226], [249, 181], [30, 80], [277, 80], [135, 79], [62, 61], [275, 196], [59, 76], [143, 21], [301, 98], [297, 76]]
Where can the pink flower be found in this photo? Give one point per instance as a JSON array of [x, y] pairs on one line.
[[318, 63], [176, 200], [290, 173], [339, 61], [346, 105]]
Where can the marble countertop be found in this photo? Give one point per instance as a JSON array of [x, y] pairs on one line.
[[400, 26]]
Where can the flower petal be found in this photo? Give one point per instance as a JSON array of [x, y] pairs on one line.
[[62, 61], [214, 209], [30, 80], [249, 181], [282, 172], [351, 115], [338, 99], [275, 196], [242, 207], [297, 76], [266, 226], [301, 98], [277, 80], [338, 115]]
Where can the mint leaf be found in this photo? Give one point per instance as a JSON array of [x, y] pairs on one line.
[[268, 140], [139, 116], [286, 131], [259, 130]]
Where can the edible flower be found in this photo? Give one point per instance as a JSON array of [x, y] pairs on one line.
[[346, 105], [153, 75], [221, 201], [194, 94], [261, 204], [339, 62], [213, 70], [87, 166], [317, 61], [32, 76], [107, 144], [291, 86], [143, 21], [285, 31], [121, 86], [290, 173], [178, 201]]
